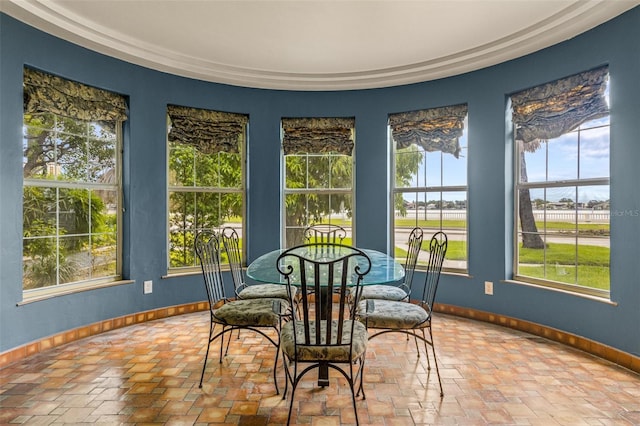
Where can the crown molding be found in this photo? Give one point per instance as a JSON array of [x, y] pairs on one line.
[[52, 17]]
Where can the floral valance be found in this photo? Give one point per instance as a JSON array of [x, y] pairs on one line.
[[318, 135], [46, 93], [553, 109], [208, 131], [434, 129]]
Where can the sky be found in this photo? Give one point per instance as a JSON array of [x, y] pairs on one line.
[[567, 159]]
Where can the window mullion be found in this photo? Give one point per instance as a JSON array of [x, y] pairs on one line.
[[416, 189], [563, 183]]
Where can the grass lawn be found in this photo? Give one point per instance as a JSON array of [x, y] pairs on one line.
[[565, 254], [456, 250], [588, 276], [558, 262], [584, 229]]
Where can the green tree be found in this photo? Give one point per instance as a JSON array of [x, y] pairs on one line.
[[190, 207], [77, 148], [332, 172], [408, 162], [78, 212]]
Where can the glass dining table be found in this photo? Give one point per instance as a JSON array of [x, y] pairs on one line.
[[384, 270]]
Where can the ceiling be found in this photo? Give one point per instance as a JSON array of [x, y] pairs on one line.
[[315, 45]]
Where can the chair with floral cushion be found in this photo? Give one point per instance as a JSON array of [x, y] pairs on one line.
[[258, 315], [231, 243], [326, 335], [389, 316], [400, 292]]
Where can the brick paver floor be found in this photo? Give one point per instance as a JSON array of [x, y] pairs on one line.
[[148, 374]]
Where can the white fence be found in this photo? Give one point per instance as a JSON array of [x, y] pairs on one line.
[[596, 216], [586, 216]]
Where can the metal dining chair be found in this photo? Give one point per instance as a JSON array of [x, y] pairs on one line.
[[322, 233], [258, 315], [231, 243], [325, 233], [327, 334], [400, 292], [388, 316]]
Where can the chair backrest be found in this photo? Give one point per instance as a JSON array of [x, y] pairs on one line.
[[323, 270], [207, 245], [414, 246], [437, 252], [325, 233], [231, 243]]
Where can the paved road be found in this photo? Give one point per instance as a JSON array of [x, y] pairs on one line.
[[454, 235], [402, 235]]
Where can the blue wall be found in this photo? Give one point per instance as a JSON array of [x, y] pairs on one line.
[[490, 178]]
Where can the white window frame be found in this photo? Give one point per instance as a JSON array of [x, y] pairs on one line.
[[195, 267], [69, 287], [575, 184], [424, 191], [316, 191]]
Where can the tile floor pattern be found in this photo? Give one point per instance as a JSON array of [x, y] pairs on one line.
[[149, 373]]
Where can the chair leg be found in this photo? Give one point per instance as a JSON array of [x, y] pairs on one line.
[[287, 376], [361, 373], [275, 368], [221, 344], [435, 361], [226, 352], [353, 398], [426, 349], [353, 380], [293, 392], [206, 355]]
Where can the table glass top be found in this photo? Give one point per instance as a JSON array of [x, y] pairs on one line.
[[384, 268]]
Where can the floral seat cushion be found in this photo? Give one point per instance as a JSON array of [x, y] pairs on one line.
[[384, 292], [259, 291], [258, 312], [338, 353], [393, 315]]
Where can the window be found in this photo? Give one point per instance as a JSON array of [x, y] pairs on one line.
[[430, 191], [206, 177], [562, 183], [318, 175], [72, 191]]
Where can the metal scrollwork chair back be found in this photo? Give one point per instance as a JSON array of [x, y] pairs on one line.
[[326, 332], [229, 313], [388, 316], [400, 292], [325, 233], [231, 242]]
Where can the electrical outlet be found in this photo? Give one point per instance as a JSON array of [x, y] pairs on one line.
[[148, 287], [488, 288]]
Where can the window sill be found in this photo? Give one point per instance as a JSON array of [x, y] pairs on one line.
[[181, 273], [595, 298], [37, 295], [186, 272]]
